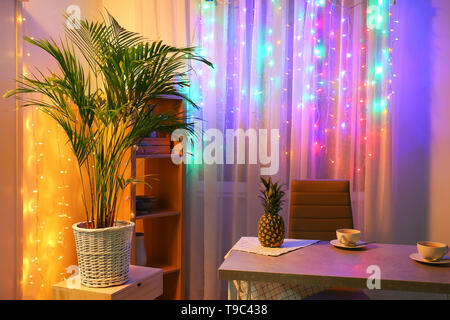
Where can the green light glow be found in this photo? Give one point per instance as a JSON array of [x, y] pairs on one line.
[[319, 51], [375, 15], [379, 105], [379, 70]]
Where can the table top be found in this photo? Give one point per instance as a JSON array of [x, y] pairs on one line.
[[324, 264]]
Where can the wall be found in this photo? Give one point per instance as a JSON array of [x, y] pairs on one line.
[[421, 141], [8, 162], [440, 129], [51, 188]]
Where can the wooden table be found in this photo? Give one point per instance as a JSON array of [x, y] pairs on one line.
[[323, 264], [144, 284]]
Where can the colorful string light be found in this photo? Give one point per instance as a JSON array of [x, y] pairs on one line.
[[338, 59]]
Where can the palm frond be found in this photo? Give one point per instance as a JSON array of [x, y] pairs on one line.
[[105, 108]]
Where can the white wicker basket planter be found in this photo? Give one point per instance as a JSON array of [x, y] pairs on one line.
[[104, 254]]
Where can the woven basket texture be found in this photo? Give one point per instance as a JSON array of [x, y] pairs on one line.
[[104, 254]]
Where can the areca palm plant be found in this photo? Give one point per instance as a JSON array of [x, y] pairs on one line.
[[102, 100]]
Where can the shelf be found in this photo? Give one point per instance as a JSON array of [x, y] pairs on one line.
[[163, 225], [169, 97], [158, 214], [153, 156]]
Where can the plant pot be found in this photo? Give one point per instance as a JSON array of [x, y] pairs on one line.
[[104, 254]]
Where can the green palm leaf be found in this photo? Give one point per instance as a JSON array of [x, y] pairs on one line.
[[103, 105]]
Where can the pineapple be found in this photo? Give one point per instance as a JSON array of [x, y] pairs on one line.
[[271, 225]]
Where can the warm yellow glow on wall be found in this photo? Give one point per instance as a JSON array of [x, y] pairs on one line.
[[52, 203], [50, 187]]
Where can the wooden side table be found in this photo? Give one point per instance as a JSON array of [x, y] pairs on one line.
[[144, 284]]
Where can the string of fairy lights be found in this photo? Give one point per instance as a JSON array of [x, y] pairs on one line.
[[47, 192], [342, 80]]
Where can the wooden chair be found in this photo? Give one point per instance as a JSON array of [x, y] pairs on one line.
[[317, 209]]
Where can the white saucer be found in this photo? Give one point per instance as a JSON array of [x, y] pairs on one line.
[[336, 243], [417, 257]]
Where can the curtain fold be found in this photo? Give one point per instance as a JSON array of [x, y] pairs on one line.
[[317, 73]]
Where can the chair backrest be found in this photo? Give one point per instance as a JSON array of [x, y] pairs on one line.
[[318, 208]]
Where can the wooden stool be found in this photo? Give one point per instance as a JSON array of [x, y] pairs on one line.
[[144, 284]]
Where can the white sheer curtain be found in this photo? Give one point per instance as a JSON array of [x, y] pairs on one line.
[[318, 71], [241, 92]]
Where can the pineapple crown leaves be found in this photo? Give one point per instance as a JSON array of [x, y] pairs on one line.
[[271, 196]]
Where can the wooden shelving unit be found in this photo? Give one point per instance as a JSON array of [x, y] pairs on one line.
[[163, 226]]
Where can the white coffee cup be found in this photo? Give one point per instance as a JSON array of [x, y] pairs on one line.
[[430, 250], [348, 237]]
